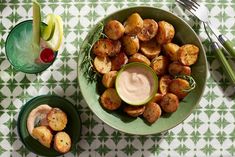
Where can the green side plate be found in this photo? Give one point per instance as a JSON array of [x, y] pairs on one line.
[[73, 127]]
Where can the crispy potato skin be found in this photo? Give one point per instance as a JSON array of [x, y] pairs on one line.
[[110, 99], [102, 64], [62, 142], [171, 50], [137, 57], [109, 78], [130, 44], [175, 68], [114, 30], [188, 54], [169, 103], [118, 61], [177, 87], [164, 84], [43, 135], [116, 48], [156, 98], [160, 65], [149, 30], [134, 111], [103, 47], [150, 49], [134, 24], [152, 112], [57, 119], [166, 32]]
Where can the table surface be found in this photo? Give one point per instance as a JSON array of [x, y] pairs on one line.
[[208, 131]]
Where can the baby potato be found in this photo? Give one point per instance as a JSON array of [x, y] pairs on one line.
[[116, 48], [102, 64], [43, 135], [110, 99], [156, 98], [171, 50], [164, 84], [152, 112], [169, 103], [114, 30], [118, 61], [103, 47], [57, 119], [178, 87], [188, 54], [149, 30], [175, 68], [130, 44], [134, 111], [134, 24], [166, 32], [150, 48], [160, 65], [137, 57], [109, 78]]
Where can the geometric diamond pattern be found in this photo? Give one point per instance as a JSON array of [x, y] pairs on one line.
[[208, 131]]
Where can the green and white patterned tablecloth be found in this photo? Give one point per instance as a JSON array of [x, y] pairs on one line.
[[208, 131]]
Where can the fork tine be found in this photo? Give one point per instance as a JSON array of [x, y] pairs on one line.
[[188, 4]]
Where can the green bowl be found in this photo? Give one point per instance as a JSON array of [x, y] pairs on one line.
[[118, 119], [73, 127], [147, 68]]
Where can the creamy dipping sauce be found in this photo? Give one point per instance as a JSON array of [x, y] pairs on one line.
[[37, 115], [136, 84]]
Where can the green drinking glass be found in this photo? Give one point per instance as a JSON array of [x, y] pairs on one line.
[[21, 53]]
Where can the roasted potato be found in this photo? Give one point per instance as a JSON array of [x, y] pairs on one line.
[[116, 48], [137, 57], [169, 103], [175, 68], [164, 84], [134, 111], [150, 48], [178, 87], [103, 47], [188, 54], [130, 44], [62, 142], [152, 112], [149, 30], [114, 30], [109, 78], [165, 33], [57, 119], [110, 99], [43, 135], [118, 61], [160, 65], [171, 50], [156, 98], [134, 24], [102, 64]]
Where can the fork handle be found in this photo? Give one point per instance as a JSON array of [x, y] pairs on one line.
[[227, 44], [224, 63]]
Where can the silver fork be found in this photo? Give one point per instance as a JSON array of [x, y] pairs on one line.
[[201, 12]]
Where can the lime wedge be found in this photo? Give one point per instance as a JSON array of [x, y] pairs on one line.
[[48, 31], [56, 40], [36, 23]]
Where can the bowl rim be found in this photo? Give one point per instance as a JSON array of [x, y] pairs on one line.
[[22, 111], [144, 66], [203, 87]]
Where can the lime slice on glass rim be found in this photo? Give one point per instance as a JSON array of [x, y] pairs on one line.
[[57, 37], [48, 31]]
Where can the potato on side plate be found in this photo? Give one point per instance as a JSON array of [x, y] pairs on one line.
[[43, 135], [57, 119], [62, 142]]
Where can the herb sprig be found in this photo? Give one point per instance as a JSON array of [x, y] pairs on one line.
[[191, 81], [87, 62]]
